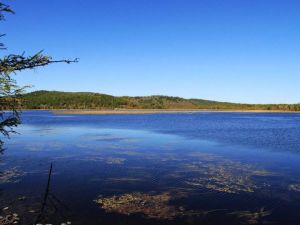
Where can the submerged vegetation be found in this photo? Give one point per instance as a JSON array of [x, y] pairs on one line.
[[226, 176], [11, 176], [248, 217], [294, 187], [151, 205], [88, 100], [9, 219], [158, 206]]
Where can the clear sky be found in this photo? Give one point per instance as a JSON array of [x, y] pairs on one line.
[[227, 50]]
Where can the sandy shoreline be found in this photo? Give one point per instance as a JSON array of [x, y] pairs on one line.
[[157, 111]]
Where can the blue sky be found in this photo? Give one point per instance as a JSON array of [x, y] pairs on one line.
[[227, 50]]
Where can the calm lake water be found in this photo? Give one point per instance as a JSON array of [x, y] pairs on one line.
[[196, 168]]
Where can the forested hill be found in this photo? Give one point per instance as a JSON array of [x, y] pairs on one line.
[[87, 100]]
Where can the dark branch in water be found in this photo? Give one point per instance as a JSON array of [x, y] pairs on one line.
[[45, 196], [52, 200]]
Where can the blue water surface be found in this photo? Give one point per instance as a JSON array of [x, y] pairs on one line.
[[216, 168]]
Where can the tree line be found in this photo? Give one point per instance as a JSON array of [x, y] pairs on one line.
[[88, 100]]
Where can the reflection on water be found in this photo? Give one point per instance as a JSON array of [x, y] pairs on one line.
[[110, 173], [108, 160]]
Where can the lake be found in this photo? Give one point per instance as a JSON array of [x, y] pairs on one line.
[[177, 168]]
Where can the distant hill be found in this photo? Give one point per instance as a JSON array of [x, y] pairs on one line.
[[89, 100]]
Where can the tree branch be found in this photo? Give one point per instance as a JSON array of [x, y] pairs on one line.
[[45, 64], [12, 63]]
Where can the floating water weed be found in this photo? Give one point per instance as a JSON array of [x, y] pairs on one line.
[[250, 217], [11, 176], [226, 176], [150, 205]]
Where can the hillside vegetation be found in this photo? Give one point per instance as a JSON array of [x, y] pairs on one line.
[[87, 100]]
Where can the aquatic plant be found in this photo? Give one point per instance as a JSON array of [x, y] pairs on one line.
[[251, 217], [226, 176], [151, 205], [11, 176], [9, 219], [294, 187]]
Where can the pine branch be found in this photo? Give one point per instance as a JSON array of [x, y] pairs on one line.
[[5, 9], [10, 92], [12, 63]]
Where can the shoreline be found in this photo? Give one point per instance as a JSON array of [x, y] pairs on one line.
[[158, 111]]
